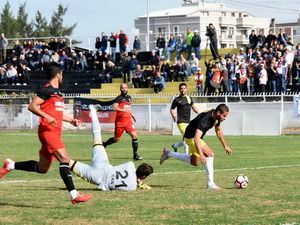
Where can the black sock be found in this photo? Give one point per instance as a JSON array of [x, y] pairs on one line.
[[29, 166], [66, 176], [109, 142], [135, 145]]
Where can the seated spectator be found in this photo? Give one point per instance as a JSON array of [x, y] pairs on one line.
[[81, 62], [154, 59], [23, 73], [193, 64], [46, 56], [55, 57], [3, 78], [138, 78], [179, 45], [11, 74], [73, 60], [165, 69], [158, 83], [64, 61]]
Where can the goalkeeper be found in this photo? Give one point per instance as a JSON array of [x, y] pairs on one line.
[[101, 173]]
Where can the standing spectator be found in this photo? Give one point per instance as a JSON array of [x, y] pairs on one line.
[[212, 34], [48, 104], [53, 45], [97, 44], [272, 78], [270, 38], [132, 66], [282, 37], [263, 78], [199, 79], [179, 45], [171, 46], [188, 40], [289, 58], [260, 39], [225, 75], [251, 76], [281, 71], [252, 40], [125, 63], [124, 121], [243, 78], [160, 44], [181, 114], [104, 42], [196, 42], [123, 41], [159, 82], [113, 45], [136, 45], [3, 46]]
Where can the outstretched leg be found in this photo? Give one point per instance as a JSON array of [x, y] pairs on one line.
[[97, 138]]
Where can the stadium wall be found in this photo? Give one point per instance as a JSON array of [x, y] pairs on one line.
[[268, 118]]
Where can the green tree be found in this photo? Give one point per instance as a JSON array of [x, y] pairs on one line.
[[40, 26], [8, 24], [24, 28], [56, 27]]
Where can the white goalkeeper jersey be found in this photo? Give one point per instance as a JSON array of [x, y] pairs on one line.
[[121, 177]]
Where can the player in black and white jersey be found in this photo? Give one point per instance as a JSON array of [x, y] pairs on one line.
[[106, 176], [199, 151], [181, 114]]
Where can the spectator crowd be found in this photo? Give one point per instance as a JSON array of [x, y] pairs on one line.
[[267, 64]]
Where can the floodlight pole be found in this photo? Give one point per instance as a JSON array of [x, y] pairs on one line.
[[148, 27]]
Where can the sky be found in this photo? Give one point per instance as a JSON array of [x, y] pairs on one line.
[[94, 16]]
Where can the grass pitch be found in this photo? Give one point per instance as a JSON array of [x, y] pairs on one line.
[[178, 194]]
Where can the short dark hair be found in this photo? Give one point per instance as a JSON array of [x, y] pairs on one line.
[[52, 69], [222, 108], [144, 170], [182, 84]]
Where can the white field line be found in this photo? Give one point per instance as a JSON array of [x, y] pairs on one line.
[[163, 173]]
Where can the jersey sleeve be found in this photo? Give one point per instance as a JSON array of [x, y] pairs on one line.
[[190, 100], [174, 103], [43, 93]]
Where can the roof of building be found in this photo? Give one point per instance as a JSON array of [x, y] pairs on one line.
[[186, 10]]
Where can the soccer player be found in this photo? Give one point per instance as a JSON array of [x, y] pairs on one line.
[[48, 104], [200, 152], [182, 115], [124, 121], [101, 173]]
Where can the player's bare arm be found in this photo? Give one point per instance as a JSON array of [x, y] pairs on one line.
[[196, 108], [197, 140], [34, 107], [174, 114], [220, 136], [71, 120]]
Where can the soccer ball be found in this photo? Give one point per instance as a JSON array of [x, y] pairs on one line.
[[241, 181]]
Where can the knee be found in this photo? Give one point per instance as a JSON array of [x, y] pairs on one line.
[[117, 140], [42, 170]]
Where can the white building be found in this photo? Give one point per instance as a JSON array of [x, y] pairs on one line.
[[233, 26]]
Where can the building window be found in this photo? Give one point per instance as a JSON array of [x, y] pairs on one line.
[[233, 14], [205, 13], [240, 15], [176, 31], [230, 32], [294, 32], [162, 30], [223, 45], [223, 13], [231, 45]]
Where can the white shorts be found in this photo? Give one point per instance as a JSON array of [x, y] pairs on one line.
[[94, 172]]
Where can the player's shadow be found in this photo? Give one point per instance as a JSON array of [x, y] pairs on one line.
[[20, 205]]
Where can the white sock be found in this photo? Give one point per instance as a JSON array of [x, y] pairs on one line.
[[209, 167], [180, 156], [11, 165], [74, 193], [185, 148], [179, 144], [96, 127]]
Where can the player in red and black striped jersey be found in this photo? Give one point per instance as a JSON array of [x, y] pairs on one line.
[[48, 104], [124, 121]]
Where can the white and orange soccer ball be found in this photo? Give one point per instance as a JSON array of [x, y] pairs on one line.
[[241, 181]]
